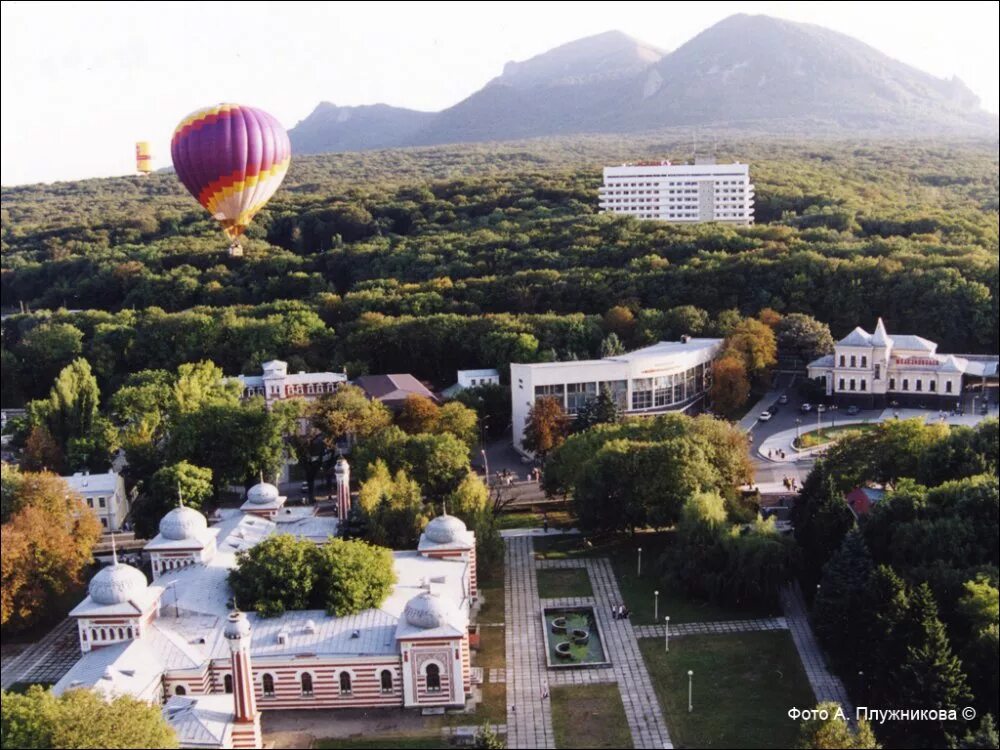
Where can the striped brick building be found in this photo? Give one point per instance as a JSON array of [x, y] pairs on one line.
[[177, 640]]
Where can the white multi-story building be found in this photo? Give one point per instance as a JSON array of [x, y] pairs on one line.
[[876, 370], [663, 377], [104, 494], [276, 383], [679, 193]]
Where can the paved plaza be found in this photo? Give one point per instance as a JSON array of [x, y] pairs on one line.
[[45, 661]]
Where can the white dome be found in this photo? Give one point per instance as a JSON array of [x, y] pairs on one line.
[[183, 523], [237, 626], [445, 529], [116, 584], [263, 494], [428, 611]]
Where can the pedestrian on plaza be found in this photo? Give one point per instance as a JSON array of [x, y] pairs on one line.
[[614, 612], [545, 524], [769, 454]]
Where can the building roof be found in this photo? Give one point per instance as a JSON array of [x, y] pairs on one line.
[[880, 337], [639, 357], [201, 720], [826, 360], [913, 343], [131, 668], [858, 337], [89, 484], [393, 388], [861, 499], [487, 373]]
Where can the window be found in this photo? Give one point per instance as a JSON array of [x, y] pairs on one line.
[[854, 361], [386, 681], [307, 684], [853, 384], [892, 384], [932, 386], [345, 683], [433, 678], [920, 384], [841, 385], [864, 385], [90, 502], [878, 371], [841, 360], [268, 685], [578, 394], [227, 683], [104, 522], [102, 502], [906, 384], [864, 361], [180, 690], [556, 391], [947, 386]]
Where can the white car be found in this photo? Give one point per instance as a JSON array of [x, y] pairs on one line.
[[764, 416]]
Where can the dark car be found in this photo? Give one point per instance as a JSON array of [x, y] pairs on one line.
[[852, 410]]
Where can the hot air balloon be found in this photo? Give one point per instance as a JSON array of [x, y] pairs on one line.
[[231, 158], [143, 158]]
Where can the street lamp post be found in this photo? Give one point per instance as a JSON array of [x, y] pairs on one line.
[[666, 640], [690, 704], [656, 606], [486, 466], [798, 425], [638, 565]]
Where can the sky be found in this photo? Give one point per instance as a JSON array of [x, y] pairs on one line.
[[82, 82]]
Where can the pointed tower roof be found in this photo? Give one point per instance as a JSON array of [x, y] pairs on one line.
[[880, 337]]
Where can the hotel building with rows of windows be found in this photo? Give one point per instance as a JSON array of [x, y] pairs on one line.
[[680, 193], [876, 370], [667, 376]]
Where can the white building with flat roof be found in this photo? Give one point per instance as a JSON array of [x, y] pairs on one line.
[[679, 193], [276, 383], [104, 495], [667, 376]]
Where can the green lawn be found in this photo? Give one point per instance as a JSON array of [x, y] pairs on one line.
[[743, 686], [557, 584], [637, 588], [558, 519], [492, 592], [829, 434], [589, 716]]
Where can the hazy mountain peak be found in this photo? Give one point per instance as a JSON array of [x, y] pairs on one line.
[[608, 55]]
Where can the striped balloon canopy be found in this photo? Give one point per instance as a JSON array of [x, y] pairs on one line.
[[232, 159]]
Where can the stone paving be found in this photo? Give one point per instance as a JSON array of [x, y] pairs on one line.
[[529, 717], [642, 709], [575, 676], [826, 686], [559, 564], [711, 628], [497, 674], [45, 661]]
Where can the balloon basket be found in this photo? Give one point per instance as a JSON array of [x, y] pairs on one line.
[[235, 250]]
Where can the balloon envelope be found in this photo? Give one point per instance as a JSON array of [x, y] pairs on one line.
[[232, 159]]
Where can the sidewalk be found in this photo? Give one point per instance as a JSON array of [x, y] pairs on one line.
[[750, 418]]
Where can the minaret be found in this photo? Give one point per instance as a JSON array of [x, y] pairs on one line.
[[343, 474], [246, 726]]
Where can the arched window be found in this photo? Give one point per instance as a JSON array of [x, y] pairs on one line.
[[433, 677], [345, 683], [307, 684], [386, 681], [227, 683], [104, 635], [180, 690], [121, 634], [268, 684]]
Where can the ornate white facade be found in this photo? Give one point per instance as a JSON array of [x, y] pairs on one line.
[[876, 370], [275, 383]]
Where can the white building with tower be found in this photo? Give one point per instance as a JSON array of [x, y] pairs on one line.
[[276, 383], [680, 193], [178, 640], [876, 370], [668, 376]]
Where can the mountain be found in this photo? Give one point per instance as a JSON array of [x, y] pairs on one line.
[[755, 73], [332, 128]]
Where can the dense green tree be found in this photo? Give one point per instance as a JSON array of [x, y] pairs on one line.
[[730, 387], [803, 336], [601, 409], [821, 519], [840, 595], [45, 351], [984, 736], [72, 407], [81, 719], [275, 575], [352, 576], [491, 402], [394, 506], [348, 414], [835, 731]]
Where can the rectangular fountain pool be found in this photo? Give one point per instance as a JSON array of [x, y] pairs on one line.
[[572, 638]]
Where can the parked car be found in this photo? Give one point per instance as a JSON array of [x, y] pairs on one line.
[[821, 408], [764, 416], [852, 410], [805, 408], [774, 409], [783, 399]]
